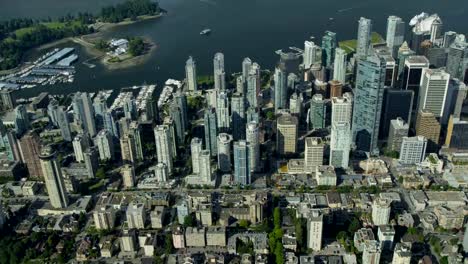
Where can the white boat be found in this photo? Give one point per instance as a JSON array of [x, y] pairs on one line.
[[206, 31]]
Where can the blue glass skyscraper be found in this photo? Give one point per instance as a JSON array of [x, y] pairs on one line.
[[241, 163]]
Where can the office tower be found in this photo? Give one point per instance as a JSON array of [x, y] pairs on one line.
[[253, 139], [136, 215], [396, 103], [363, 37], [91, 160], [30, 148], [395, 34], [368, 103], [52, 111], [342, 108], [428, 126], [21, 120], [100, 107], [211, 131], [191, 74], [433, 91], [84, 112], [457, 60], [180, 128], [163, 139], [63, 123], [128, 148], [205, 174], [335, 88], [286, 134], [340, 144], [449, 39], [315, 231], [398, 129], [339, 67], [328, 47], [456, 95], [404, 52], [413, 150], [105, 145], [222, 112], [242, 170], [128, 175], [252, 115], [104, 217], [195, 149], [7, 99], [52, 172], [281, 88], [313, 154], [238, 116], [318, 112], [80, 145], [246, 65], [295, 104], [312, 54], [436, 29], [372, 252], [161, 173], [110, 124], [390, 65], [224, 152], [457, 136], [380, 211], [402, 254], [293, 79], [412, 74], [253, 86]]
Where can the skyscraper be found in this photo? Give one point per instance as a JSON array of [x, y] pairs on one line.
[[80, 145], [128, 148], [335, 88], [368, 103], [128, 175], [411, 76], [177, 117], [205, 166], [253, 139], [281, 88], [286, 134], [381, 211], [84, 112], [238, 116], [318, 112], [402, 254], [340, 144], [109, 123], [100, 107], [315, 231], [342, 108], [218, 70], [433, 91], [339, 70], [218, 62], [21, 120], [164, 149], [372, 252], [195, 149], [312, 54], [91, 160], [160, 172], [129, 107], [457, 60], [396, 103], [63, 123], [395, 34], [191, 74], [224, 152], [428, 126], [253, 85], [413, 150], [246, 65], [295, 104], [53, 178], [222, 112], [403, 53], [363, 37], [241, 162], [30, 148], [328, 47], [313, 154], [105, 145], [398, 129], [7, 99], [52, 111], [211, 131]]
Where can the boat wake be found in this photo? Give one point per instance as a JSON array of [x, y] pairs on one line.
[[210, 2]]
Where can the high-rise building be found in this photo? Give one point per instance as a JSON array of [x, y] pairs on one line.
[[381, 211], [372, 252], [30, 148], [218, 62], [313, 154], [238, 116], [91, 160], [191, 74], [363, 37], [128, 148], [218, 70], [80, 145], [342, 108], [110, 124], [398, 129], [295, 104], [100, 107], [456, 96], [395, 34], [413, 150], [129, 107], [105, 145], [180, 128], [104, 217], [205, 174], [164, 148], [428, 127], [403, 53], [253, 138], [396, 103], [335, 88], [128, 175], [457, 137], [136, 215], [312, 54], [211, 131], [253, 85], [318, 112], [161, 173], [21, 120], [412, 74], [340, 144], [224, 152], [286, 134], [281, 88], [9, 142], [52, 111], [241, 85], [368, 103], [195, 149], [242, 174], [457, 60], [402, 254], [169, 122], [328, 47], [7, 99], [138, 133], [84, 112], [433, 91], [315, 231], [222, 112], [52, 172], [339, 67], [63, 123]]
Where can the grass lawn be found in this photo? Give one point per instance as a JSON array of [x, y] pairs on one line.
[[350, 45], [52, 25]]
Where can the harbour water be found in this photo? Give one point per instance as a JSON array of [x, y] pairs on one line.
[[241, 28]]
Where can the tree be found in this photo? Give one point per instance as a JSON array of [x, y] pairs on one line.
[[277, 217], [101, 173], [136, 46], [279, 253], [354, 225], [101, 45], [244, 223], [189, 221], [168, 247]]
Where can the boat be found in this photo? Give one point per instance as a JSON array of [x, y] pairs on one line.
[[206, 31]]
